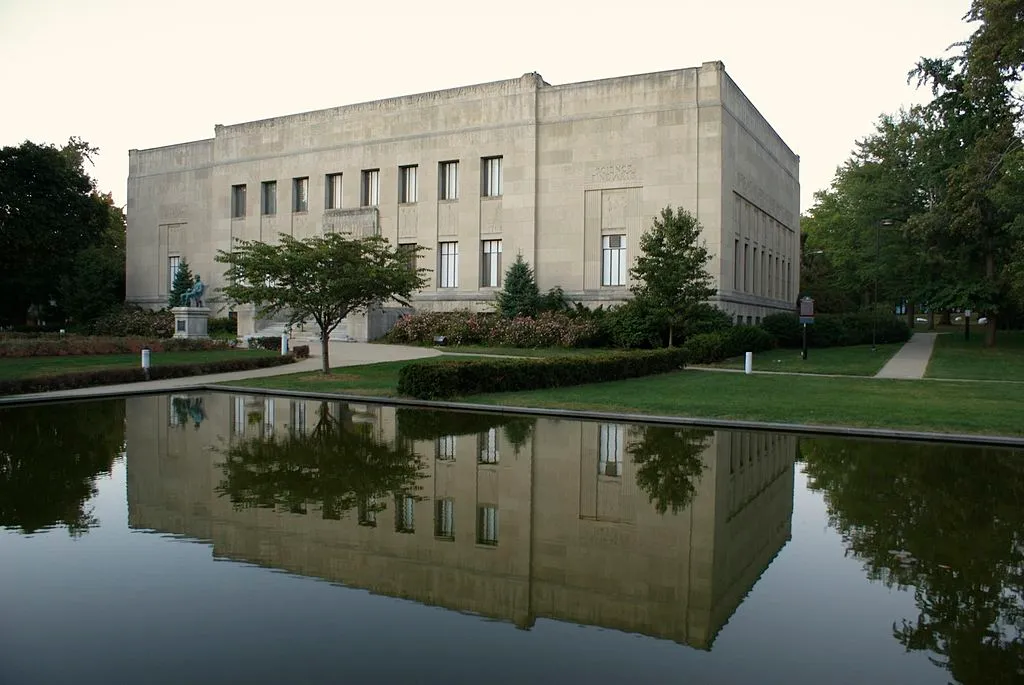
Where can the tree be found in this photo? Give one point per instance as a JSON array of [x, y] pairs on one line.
[[519, 296], [670, 273], [324, 278], [49, 212], [669, 464], [183, 282], [96, 281]]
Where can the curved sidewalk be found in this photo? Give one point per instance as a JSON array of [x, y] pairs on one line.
[[342, 354], [912, 359]]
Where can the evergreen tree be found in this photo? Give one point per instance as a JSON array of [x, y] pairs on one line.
[[520, 296], [671, 278], [183, 282]]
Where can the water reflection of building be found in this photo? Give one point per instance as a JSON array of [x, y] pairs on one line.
[[554, 525]]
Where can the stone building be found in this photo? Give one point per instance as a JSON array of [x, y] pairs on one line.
[[550, 522], [569, 176]]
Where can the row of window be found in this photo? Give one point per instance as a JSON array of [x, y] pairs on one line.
[[444, 518], [491, 185], [766, 274]]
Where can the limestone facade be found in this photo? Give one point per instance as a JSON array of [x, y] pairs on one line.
[[569, 176], [555, 525]]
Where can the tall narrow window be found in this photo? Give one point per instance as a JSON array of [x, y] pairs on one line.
[[173, 264], [298, 418], [367, 511], [371, 188], [238, 416], [409, 250], [746, 267], [487, 525], [332, 198], [300, 194], [490, 264], [611, 439], [268, 416], [445, 448], [448, 175], [405, 514], [238, 201], [444, 519], [756, 275], [764, 271], [613, 260], [407, 184], [268, 202], [736, 264], [488, 444], [771, 275], [449, 277], [492, 177]]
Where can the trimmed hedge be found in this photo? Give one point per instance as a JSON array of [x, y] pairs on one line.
[[439, 380], [836, 330], [709, 348], [88, 379], [132, 320], [77, 345]]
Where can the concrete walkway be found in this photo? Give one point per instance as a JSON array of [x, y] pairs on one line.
[[912, 359], [341, 354]]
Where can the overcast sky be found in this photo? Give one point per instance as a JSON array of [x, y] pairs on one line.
[[127, 74]]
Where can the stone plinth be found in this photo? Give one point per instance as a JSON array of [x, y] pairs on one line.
[[190, 322]]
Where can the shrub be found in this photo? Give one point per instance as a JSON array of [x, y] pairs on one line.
[[222, 325], [265, 342], [785, 328], [706, 348], [88, 379], [634, 325], [461, 327], [300, 351], [132, 320], [80, 345], [548, 329], [705, 318], [437, 380], [740, 339], [833, 330], [519, 295]]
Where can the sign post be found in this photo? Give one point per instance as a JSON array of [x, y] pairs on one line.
[[806, 318]]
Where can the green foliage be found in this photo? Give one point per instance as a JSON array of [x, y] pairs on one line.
[[341, 464], [670, 274], [519, 295], [52, 456], [440, 380], [80, 345], [709, 348], [323, 278], [132, 320], [431, 424], [548, 329], [49, 213], [669, 464], [95, 284], [635, 324], [183, 282], [834, 330], [222, 325]]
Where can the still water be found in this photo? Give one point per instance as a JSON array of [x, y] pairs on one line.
[[214, 538]]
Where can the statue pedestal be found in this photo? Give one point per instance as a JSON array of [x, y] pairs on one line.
[[190, 322]]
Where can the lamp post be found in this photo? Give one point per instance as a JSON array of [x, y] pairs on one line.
[[874, 314]]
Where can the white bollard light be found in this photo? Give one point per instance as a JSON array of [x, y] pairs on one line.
[[748, 363], [284, 344], [145, 357]]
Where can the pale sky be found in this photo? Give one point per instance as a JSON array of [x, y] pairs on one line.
[[125, 74]]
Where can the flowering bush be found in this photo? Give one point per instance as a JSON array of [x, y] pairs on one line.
[[548, 329], [79, 345], [131, 320]]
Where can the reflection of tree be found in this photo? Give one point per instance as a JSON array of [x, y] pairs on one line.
[[947, 521], [669, 463], [50, 456], [339, 464], [430, 424]]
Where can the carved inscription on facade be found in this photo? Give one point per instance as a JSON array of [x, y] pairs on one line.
[[357, 222], [614, 172]]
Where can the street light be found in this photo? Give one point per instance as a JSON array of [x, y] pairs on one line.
[[874, 315]]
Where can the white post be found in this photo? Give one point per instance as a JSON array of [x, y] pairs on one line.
[[748, 363], [145, 357], [284, 344]]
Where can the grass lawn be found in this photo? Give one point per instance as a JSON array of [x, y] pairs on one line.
[[954, 357], [858, 360], [28, 367], [916, 405]]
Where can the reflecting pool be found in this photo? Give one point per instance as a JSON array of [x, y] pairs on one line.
[[217, 538]]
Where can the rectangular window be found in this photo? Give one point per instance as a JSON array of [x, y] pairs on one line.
[[746, 267], [300, 194], [448, 174], [789, 282], [487, 525], [268, 197], [488, 444], [611, 443], [238, 417], [409, 250], [405, 514], [268, 417], [756, 274], [490, 264], [407, 184], [449, 276], [771, 276], [238, 201], [298, 419], [764, 271], [444, 449], [332, 198], [173, 263], [736, 265], [367, 511], [444, 519], [371, 188], [613, 260], [491, 181]]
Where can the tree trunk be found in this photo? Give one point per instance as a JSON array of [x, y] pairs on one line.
[[325, 343], [931, 319], [990, 276], [911, 314], [670, 335], [946, 319]]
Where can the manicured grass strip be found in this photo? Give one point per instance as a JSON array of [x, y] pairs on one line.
[[955, 407], [953, 357], [32, 367], [858, 360]]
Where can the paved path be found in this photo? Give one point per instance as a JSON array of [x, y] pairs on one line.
[[342, 354], [912, 359]]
